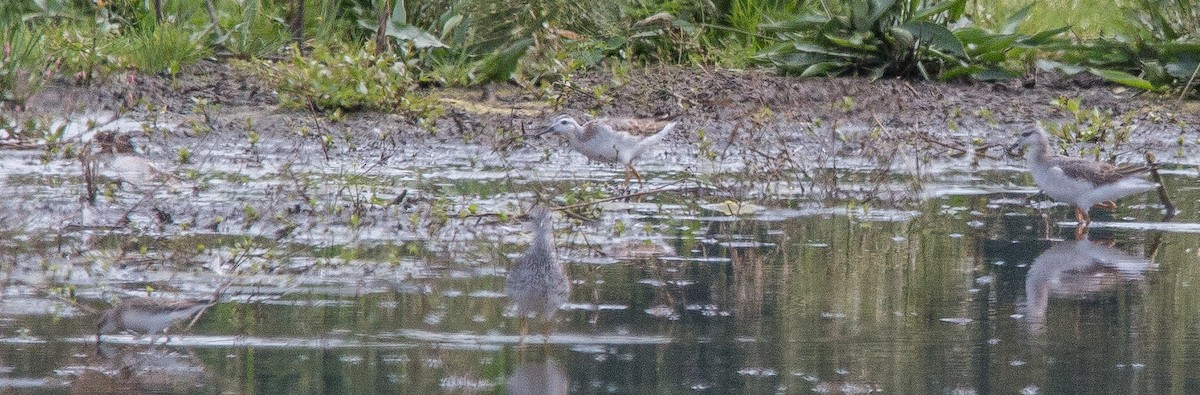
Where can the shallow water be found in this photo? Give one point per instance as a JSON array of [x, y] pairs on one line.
[[353, 276]]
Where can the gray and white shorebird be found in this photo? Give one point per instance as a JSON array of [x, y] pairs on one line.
[[612, 140], [146, 316], [1080, 182], [537, 282], [118, 158]]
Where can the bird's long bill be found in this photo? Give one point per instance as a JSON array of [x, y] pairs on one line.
[[544, 132]]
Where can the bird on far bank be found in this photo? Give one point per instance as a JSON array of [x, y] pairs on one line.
[[1081, 182], [537, 281], [612, 140]]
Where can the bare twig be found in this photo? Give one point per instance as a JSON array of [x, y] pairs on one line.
[[381, 43], [212, 14], [1187, 86], [1162, 188]]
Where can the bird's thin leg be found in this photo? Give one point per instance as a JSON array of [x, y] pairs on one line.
[[524, 328], [1081, 216], [546, 331], [1080, 232], [635, 174], [625, 185]]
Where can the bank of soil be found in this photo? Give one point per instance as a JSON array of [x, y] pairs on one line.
[[716, 101]]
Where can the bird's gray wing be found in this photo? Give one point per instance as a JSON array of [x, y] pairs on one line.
[[1098, 173]]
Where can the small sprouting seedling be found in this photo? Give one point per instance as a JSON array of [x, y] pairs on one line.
[[619, 228], [253, 138], [846, 104], [988, 117], [705, 145], [251, 213], [184, 155]]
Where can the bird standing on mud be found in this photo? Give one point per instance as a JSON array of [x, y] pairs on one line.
[[537, 281], [1080, 182], [118, 157], [612, 140]]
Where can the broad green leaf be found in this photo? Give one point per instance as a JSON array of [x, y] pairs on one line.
[[1182, 69], [959, 72], [903, 38], [936, 35], [450, 24], [399, 15], [1043, 37], [854, 42], [977, 41], [823, 69], [818, 49], [1123, 78], [418, 37], [1014, 21], [1155, 72], [1180, 49], [936, 9], [878, 9], [860, 13], [500, 65], [1050, 65]]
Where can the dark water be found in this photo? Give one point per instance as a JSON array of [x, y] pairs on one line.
[[968, 290]]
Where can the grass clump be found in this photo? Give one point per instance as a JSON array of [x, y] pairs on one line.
[[344, 78], [165, 48], [23, 64]]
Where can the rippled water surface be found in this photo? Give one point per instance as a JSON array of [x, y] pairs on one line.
[[349, 275]]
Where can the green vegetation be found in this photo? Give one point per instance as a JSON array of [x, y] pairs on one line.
[[1147, 44], [902, 39]]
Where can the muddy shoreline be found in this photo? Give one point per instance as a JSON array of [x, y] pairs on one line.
[[717, 101]]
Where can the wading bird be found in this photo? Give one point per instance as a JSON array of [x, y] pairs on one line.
[[612, 140], [1080, 182], [146, 316]]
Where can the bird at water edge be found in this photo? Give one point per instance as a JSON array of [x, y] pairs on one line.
[[612, 140], [1081, 182]]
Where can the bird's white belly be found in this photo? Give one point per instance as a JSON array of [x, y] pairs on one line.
[[1059, 186], [609, 148]]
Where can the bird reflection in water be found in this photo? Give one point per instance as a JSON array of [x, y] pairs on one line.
[[537, 282], [1080, 270], [545, 377]]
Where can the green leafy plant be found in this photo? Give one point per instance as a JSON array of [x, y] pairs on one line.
[[1161, 48], [257, 30], [350, 78], [889, 38]]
